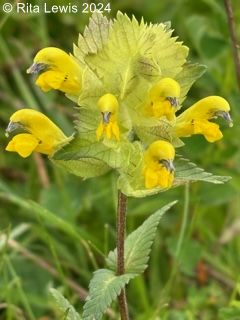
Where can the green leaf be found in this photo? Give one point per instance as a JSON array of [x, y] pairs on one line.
[[115, 63], [188, 171], [85, 168], [135, 49], [138, 244], [152, 132], [82, 158], [105, 285], [169, 54], [189, 74], [95, 35], [104, 288], [90, 159], [69, 313]]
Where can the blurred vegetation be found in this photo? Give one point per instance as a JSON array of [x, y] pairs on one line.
[[66, 240]]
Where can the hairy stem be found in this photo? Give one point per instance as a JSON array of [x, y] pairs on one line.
[[233, 35], [121, 225]]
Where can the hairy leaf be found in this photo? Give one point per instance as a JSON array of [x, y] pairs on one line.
[[95, 35], [87, 159], [69, 313], [189, 74], [115, 64], [104, 288], [138, 244], [169, 54], [160, 131], [135, 50], [85, 168], [189, 171]]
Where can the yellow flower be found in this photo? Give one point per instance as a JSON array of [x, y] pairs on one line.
[[195, 120], [108, 105], [58, 70], [158, 165], [163, 99], [42, 135]]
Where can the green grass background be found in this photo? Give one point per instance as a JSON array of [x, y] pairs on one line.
[[77, 225]]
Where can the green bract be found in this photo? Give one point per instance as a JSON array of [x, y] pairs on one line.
[[125, 58]]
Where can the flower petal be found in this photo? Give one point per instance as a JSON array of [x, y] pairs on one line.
[[43, 135], [165, 177], [99, 131], [60, 71], [151, 178], [155, 171], [115, 130], [24, 144], [58, 81], [210, 130]]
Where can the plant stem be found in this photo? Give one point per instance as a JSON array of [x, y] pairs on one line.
[[233, 35], [121, 226]]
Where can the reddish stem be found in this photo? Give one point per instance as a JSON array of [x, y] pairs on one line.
[[121, 226]]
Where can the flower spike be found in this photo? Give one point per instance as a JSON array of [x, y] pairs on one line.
[[41, 134], [108, 105], [195, 120], [163, 99], [158, 165], [58, 70]]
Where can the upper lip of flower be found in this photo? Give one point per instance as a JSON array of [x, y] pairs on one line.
[[106, 116], [12, 126], [173, 101], [225, 115], [36, 67], [168, 164]]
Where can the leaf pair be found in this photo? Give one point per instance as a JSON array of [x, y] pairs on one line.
[[105, 285]]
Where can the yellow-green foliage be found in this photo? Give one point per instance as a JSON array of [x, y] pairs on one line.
[[128, 80]]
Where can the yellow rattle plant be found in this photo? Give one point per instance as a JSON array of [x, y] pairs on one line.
[[128, 81]]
